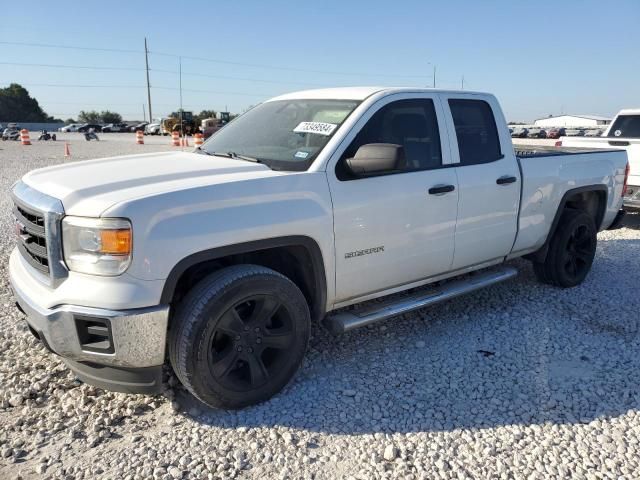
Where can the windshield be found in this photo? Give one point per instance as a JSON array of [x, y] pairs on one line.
[[284, 134], [627, 126]]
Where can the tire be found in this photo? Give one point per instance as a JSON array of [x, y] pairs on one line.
[[571, 251], [239, 336]]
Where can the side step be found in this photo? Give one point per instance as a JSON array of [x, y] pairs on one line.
[[344, 321]]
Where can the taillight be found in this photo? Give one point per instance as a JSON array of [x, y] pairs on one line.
[[626, 179], [559, 143]]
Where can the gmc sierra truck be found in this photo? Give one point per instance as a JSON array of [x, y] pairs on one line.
[[299, 211], [623, 133]]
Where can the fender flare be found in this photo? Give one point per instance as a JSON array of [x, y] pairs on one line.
[[311, 246], [540, 254]]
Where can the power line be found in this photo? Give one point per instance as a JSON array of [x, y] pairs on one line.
[[175, 72], [70, 47], [65, 85], [291, 69], [83, 67], [53, 102], [214, 60], [224, 77]]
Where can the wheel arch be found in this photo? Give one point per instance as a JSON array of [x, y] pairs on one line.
[[297, 257], [591, 198]]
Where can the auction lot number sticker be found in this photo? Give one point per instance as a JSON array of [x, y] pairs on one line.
[[319, 128]]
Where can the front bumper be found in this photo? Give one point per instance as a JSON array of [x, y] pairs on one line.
[[132, 351]]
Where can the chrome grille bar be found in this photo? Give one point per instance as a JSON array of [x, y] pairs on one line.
[[38, 219]]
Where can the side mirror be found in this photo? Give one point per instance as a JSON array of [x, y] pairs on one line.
[[377, 158]]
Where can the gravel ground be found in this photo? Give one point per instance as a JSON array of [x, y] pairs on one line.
[[516, 381]]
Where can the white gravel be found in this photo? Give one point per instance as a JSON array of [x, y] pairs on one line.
[[517, 381]]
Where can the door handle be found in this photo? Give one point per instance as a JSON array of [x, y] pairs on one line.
[[506, 180], [441, 189]]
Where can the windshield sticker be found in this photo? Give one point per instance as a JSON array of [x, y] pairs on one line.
[[617, 133], [319, 128], [301, 154]]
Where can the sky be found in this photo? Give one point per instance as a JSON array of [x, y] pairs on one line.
[[538, 57]]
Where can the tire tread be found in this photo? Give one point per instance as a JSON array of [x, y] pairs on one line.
[[187, 317]]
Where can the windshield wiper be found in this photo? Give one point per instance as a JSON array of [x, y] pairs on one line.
[[234, 155], [202, 151]]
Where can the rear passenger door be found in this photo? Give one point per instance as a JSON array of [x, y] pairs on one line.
[[488, 180]]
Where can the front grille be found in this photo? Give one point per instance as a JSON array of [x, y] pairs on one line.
[[32, 236]]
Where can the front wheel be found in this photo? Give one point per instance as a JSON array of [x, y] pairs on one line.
[[571, 251], [239, 336]]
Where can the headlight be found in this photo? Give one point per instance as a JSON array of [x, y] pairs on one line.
[[98, 246]]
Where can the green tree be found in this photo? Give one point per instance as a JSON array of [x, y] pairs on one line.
[[89, 117], [17, 106], [110, 117], [69, 120], [205, 114]]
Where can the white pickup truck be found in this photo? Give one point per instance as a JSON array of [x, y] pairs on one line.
[[623, 134], [300, 210]]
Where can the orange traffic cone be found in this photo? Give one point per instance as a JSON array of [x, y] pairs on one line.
[[24, 137], [67, 153], [175, 139], [198, 140], [139, 137]]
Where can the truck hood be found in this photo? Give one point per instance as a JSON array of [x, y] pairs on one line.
[[90, 187]]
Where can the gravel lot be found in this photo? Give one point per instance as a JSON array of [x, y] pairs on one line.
[[517, 381]]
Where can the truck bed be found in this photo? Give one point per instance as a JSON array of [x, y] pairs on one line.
[[549, 172], [529, 151]]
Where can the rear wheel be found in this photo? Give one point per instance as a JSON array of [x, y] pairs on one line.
[[571, 251], [239, 336]]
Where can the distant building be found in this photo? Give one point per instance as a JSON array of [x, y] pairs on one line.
[[572, 121]]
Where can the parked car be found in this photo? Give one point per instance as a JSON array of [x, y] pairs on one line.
[[115, 127], [520, 132], [88, 126], [12, 132], [623, 133], [72, 127], [593, 132], [537, 133], [153, 129], [278, 221], [575, 132], [556, 132], [140, 127]]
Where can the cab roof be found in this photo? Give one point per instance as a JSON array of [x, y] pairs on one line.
[[356, 93]]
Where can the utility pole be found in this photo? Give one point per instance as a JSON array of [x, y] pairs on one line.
[[146, 61], [144, 114], [462, 86], [180, 76], [434, 76]]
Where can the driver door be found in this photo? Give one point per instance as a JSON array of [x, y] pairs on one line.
[[395, 228]]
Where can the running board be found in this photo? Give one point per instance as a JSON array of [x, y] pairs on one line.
[[344, 321]]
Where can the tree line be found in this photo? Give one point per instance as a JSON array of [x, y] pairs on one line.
[[16, 105]]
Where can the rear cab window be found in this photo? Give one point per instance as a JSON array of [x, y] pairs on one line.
[[627, 126], [476, 131]]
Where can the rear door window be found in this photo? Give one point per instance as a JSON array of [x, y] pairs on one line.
[[476, 131]]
